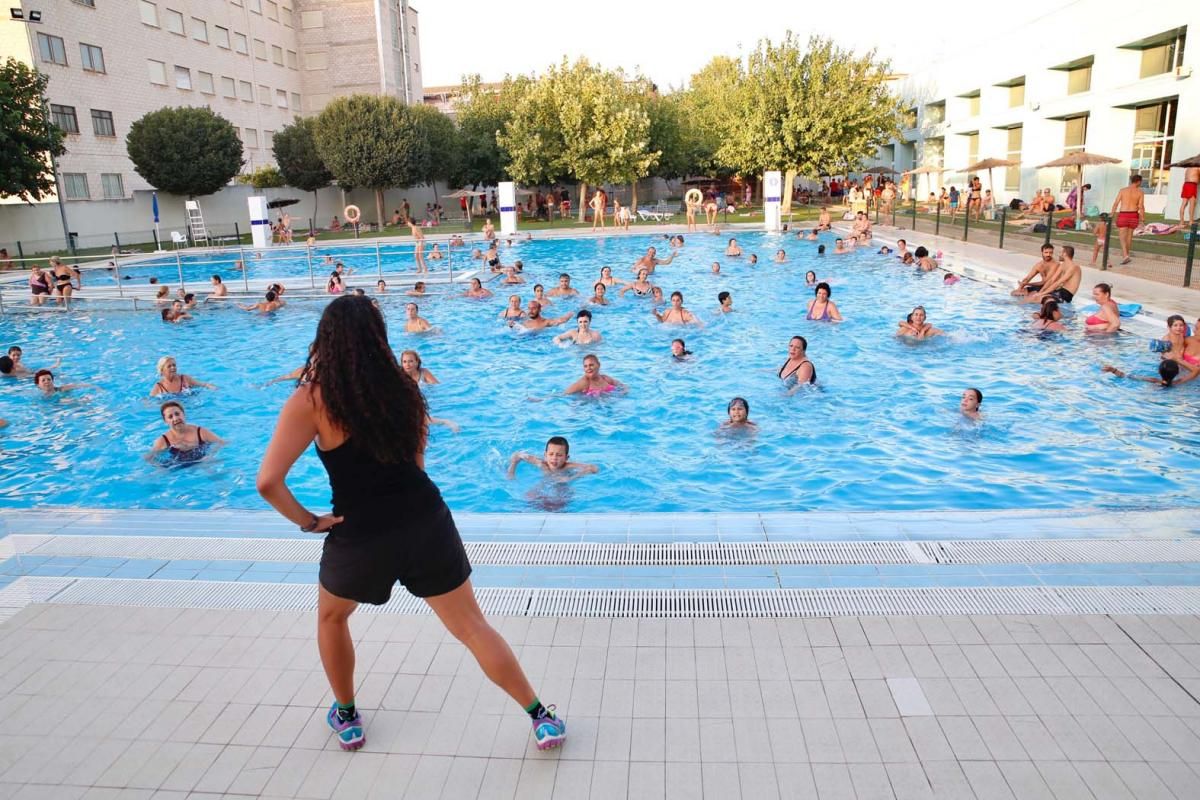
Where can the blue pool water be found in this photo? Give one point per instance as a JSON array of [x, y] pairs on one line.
[[880, 432]]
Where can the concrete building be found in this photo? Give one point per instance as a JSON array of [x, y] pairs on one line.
[[1115, 80], [258, 63]]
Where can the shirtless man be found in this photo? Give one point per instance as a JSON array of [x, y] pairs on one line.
[[824, 221], [1044, 268], [839, 247], [564, 287], [1191, 177], [677, 314], [1066, 279], [1130, 211], [534, 321], [648, 262], [597, 203], [1108, 318], [861, 229], [414, 322], [554, 462], [418, 247], [270, 303], [901, 249]]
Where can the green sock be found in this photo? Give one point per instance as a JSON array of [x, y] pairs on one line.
[[536, 710], [346, 712]]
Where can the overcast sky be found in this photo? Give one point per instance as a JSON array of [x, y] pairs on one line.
[[669, 40]]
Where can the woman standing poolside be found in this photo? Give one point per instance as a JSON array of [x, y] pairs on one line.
[[172, 381], [389, 522], [821, 308]]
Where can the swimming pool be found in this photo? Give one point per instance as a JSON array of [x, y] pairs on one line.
[[880, 432]]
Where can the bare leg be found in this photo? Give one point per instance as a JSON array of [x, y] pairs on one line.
[[461, 615], [335, 644]]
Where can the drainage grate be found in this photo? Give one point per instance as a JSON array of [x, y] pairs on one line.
[[1071, 551], [24, 591], [666, 602]]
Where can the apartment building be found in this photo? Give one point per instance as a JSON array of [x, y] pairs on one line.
[[258, 63], [1114, 80]]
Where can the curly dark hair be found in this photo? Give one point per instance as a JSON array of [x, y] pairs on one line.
[[364, 390]]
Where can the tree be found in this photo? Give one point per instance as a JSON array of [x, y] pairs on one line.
[[295, 150], [372, 141], [709, 108], [267, 176], [185, 151], [481, 113], [27, 137], [581, 121], [441, 149]]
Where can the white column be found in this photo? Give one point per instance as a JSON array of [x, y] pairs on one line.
[[508, 207], [772, 194], [260, 221]]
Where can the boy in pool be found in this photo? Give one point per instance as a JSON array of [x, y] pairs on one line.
[[554, 461]]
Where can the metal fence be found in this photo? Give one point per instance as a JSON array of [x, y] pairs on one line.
[[1167, 258]]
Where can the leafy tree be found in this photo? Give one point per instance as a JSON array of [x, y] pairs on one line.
[[441, 148], [27, 137], [267, 176], [185, 151], [374, 142], [481, 113], [295, 150], [709, 109]]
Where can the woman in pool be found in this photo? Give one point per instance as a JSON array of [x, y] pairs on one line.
[[679, 350], [923, 261], [172, 381], [39, 285], [594, 383], [335, 284], [434, 254], [640, 287], [656, 296], [477, 290], [418, 290], [810, 278], [219, 289], [606, 278], [514, 310], [1184, 349], [733, 250], [389, 522], [175, 314], [539, 294], [821, 308], [414, 322], [583, 334], [915, 326], [410, 362], [44, 380], [599, 295], [183, 443], [1047, 319], [1168, 373], [780, 256], [1108, 318], [739, 415], [798, 370], [969, 404], [677, 314], [162, 296]]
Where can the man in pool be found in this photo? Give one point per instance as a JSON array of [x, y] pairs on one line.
[[648, 262], [414, 322], [839, 247], [1045, 269], [270, 302], [554, 461], [824, 221], [677, 314], [901, 248], [724, 302], [534, 321], [564, 287]]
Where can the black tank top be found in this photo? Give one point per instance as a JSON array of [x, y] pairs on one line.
[[362, 486]]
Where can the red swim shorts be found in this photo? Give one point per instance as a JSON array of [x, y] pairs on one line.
[[1127, 219], [1189, 190]]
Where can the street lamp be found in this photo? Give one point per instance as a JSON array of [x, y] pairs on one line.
[[34, 16]]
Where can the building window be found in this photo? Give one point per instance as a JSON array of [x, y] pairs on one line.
[[102, 123], [908, 119], [1079, 80], [286, 18], [255, 6], [272, 10], [260, 49], [88, 3], [1164, 55], [204, 82], [1012, 175], [292, 60], [52, 49], [972, 99], [158, 71], [935, 113], [228, 87], [268, 139], [264, 94], [64, 117], [281, 98], [75, 186], [92, 57], [295, 101], [972, 148], [221, 36], [277, 54], [183, 78], [113, 185], [1016, 95], [250, 137], [241, 44], [173, 21], [1074, 141], [246, 91], [1153, 141], [149, 12], [934, 153], [199, 30]]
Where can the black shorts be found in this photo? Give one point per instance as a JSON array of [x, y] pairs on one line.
[[1031, 288], [362, 561], [1063, 294]]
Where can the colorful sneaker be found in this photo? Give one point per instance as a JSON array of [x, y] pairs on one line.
[[549, 731], [349, 733]]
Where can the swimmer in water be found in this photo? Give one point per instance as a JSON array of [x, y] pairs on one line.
[[606, 277], [1168, 374], [716, 269], [11, 366], [410, 362], [511, 278], [650, 261], [797, 370], [381, 286], [1108, 318], [270, 302], [534, 321], [476, 254], [183, 443], [514, 310], [739, 415], [1183, 348], [219, 288], [172, 381], [724, 303], [780, 256], [677, 314], [435, 254], [175, 314], [924, 262], [821, 308], [599, 292], [554, 461], [839, 247], [733, 250], [335, 284], [414, 322], [44, 380], [811, 236], [294, 375], [477, 290], [1047, 319], [679, 350], [753, 260], [810, 278], [583, 334], [969, 405], [914, 326], [640, 287], [564, 288], [656, 297], [418, 290], [594, 383]]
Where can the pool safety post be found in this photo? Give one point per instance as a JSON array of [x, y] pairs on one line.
[[379, 259], [772, 197], [1003, 220], [914, 214], [311, 278], [260, 222], [1049, 227], [1191, 255], [117, 274], [179, 266], [937, 220], [966, 222], [1107, 220], [508, 207]]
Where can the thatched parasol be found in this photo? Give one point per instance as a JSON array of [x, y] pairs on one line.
[[989, 164], [465, 193], [1080, 159], [1194, 161]]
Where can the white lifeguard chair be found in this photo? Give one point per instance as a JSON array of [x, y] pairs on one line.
[[195, 221]]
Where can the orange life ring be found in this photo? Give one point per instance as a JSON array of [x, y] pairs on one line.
[[352, 218]]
